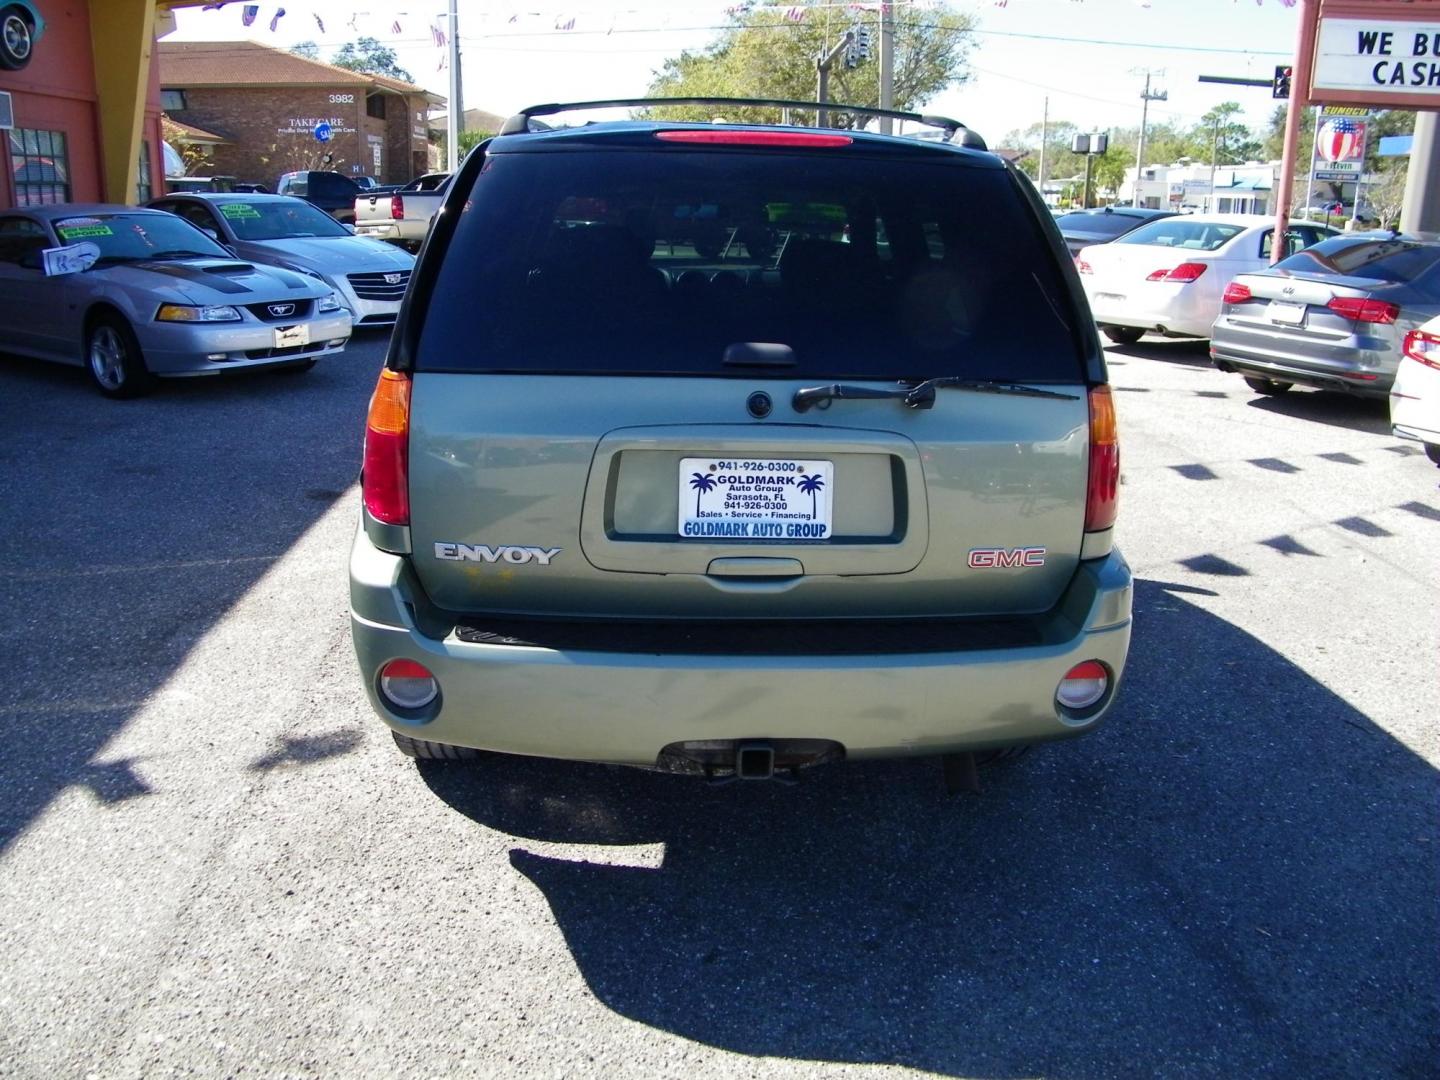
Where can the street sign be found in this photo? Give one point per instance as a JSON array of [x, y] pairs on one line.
[[322, 133]]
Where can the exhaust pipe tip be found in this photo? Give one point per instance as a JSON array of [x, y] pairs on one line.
[[755, 761]]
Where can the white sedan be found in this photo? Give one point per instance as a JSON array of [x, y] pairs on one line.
[[1167, 277], [1415, 395]]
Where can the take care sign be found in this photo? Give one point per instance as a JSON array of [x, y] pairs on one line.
[[1387, 62]]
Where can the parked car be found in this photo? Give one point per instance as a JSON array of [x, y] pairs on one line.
[[1415, 394], [176, 184], [401, 217], [1081, 228], [277, 230], [1167, 277], [160, 299], [20, 28], [839, 503], [332, 192], [1333, 316]]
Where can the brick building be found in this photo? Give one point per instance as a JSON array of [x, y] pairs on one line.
[[80, 116], [266, 104]]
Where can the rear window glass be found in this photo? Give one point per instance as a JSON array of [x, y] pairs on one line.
[[1382, 258], [644, 262], [1187, 235], [1096, 224]]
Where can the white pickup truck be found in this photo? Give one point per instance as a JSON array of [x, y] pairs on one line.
[[401, 215]]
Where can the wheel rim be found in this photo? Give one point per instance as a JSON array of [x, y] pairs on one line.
[[17, 36], [107, 358]]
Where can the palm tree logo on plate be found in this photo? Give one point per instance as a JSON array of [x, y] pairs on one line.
[[809, 485], [701, 483]]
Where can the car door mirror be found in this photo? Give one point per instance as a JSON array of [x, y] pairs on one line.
[[32, 260], [212, 233], [350, 229]]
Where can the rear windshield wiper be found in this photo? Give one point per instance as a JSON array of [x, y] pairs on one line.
[[920, 396]]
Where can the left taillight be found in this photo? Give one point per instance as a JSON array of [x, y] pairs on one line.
[[1102, 496], [1424, 347], [385, 483]]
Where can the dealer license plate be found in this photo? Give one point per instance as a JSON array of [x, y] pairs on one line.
[[774, 499], [1289, 314], [287, 337]]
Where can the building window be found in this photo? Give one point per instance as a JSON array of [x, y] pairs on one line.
[[143, 187], [172, 100], [40, 167], [375, 106]]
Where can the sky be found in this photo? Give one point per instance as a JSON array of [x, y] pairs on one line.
[[1088, 57]]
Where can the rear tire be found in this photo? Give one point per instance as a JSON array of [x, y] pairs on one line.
[[1123, 335], [113, 359], [1267, 386], [433, 751], [1432, 451]]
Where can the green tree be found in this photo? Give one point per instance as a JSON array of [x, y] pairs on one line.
[[468, 141], [1221, 137], [762, 54], [308, 49], [369, 56]]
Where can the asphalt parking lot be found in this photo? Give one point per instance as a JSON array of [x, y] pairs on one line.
[[213, 862]]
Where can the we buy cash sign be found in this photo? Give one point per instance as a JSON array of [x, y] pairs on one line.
[[1392, 63]]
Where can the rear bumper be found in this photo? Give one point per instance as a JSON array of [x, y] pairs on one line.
[[1357, 364], [626, 707], [1178, 310], [394, 232]]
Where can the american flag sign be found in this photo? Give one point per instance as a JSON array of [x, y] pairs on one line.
[[1340, 139]]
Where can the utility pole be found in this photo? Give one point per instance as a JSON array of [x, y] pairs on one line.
[[822, 76], [1214, 159], [1145, 98], [1044, 135], [887, 64], [455, 120]]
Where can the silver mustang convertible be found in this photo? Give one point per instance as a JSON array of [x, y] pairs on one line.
[[152, 295], [368, 275]]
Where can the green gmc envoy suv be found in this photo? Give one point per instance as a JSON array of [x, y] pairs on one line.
[[731, 448]]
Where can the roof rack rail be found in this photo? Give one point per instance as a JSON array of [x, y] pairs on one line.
[[520, 122]]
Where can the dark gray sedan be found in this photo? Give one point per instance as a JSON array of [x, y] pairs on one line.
[[1333, 316], [130, 294], [1082, 228], [368, 275]]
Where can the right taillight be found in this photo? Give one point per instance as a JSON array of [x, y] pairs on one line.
[[1423, 347], [1083, 267], [1235, 293], [1102, 496], [385, 483], [397, 206], [1363, 309]]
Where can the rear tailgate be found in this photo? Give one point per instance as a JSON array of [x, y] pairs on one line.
[[910, 495], [585, 431]]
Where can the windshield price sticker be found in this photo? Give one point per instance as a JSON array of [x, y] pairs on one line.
[[78, 231], [756, 499], [239, 210]]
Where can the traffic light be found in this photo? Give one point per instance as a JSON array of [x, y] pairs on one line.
[[1281, 87], [862, 42]]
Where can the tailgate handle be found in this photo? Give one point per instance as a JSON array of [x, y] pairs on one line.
[[749, 566]]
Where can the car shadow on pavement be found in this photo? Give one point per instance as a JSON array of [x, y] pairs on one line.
[[132, 528], [1190, 890], [1327, 407], [1189, 352]]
